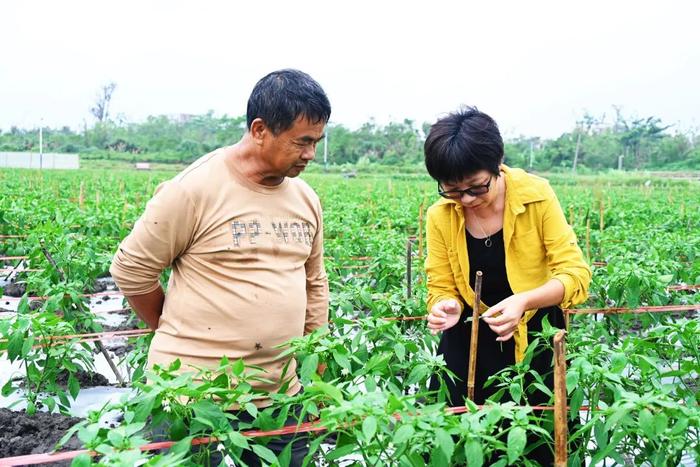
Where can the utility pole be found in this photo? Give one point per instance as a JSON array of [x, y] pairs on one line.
[[41, 143], [619, 162]]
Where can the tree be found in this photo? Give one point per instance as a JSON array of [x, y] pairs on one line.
[[102, 101]]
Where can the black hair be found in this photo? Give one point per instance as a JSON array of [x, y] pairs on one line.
[[461, 144], [283, 96]]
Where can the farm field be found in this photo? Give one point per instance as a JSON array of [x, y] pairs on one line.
[[71, 346]]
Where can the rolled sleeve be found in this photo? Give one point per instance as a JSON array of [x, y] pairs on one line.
[[159, 236], [441, 283], [564, 257]]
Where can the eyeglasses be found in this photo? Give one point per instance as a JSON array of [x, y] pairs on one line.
[[476, 190]]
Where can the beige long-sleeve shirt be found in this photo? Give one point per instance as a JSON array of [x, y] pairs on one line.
[[247, 267]]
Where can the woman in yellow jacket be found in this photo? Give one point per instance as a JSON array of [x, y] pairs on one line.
[[507, 224]]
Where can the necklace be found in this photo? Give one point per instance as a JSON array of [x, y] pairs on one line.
[[488, 241]]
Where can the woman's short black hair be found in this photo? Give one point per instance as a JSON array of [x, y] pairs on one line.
[[461, 144], [285, 95]]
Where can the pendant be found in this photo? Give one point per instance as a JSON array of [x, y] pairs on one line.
[[488, 242]]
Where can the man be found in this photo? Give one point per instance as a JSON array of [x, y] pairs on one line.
[[244, 238]]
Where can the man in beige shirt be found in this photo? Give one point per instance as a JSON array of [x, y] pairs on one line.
[[244, 238]]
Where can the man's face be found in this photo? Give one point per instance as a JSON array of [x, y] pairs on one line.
[[290, 151]]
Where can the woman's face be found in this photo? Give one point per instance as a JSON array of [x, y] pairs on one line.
[[474, 191]]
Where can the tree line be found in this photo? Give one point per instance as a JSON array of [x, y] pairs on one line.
[[592, 144]]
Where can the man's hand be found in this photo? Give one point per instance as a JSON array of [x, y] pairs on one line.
[[443, 315], [503, 317]]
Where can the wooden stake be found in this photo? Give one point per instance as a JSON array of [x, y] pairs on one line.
[[571, 215], [601, 210], [98, 343], [420, 230], [588, 238], [409, 271], [561, 427], [471, 375], [81, 197]]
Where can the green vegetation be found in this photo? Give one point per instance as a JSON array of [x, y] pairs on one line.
[[638, 372], [592, 145]]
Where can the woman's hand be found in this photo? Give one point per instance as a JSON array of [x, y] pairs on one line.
[[503, 317], [443, 315]]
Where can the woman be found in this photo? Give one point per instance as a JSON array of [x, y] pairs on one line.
[[509, 225]]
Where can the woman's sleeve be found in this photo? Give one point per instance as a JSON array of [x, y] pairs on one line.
[[564, 257], [441, 283]]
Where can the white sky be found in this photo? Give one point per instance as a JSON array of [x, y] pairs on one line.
[[535, 66]]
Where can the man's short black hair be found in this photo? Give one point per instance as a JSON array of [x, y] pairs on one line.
[[285, 95], [461, 144]]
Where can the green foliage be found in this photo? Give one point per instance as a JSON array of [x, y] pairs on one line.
[[639, 371], [644, 142]]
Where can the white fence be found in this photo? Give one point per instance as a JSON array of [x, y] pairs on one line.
[[34, 160]]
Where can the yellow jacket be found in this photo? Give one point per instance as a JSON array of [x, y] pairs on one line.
[[539, 246]]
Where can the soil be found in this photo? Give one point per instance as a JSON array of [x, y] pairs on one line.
[[96, 287], [86, 379], [129, 324], [120, 348], [21, 434], [15, 289]]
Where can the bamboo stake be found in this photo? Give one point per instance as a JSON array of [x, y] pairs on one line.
[[601, 210], [420, 229], [98, 343], [588, 239], [409, 271], [81, 197], [561, 427], [306, 427], [641, 309], [471, 375]]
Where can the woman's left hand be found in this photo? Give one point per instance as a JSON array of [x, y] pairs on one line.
[[503, 317]]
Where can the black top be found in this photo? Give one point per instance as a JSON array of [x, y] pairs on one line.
[[493, 356], [491, 261]]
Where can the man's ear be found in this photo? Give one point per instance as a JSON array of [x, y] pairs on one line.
[[258, 130]]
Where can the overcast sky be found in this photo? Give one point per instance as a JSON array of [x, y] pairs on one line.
[[535, 66]]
